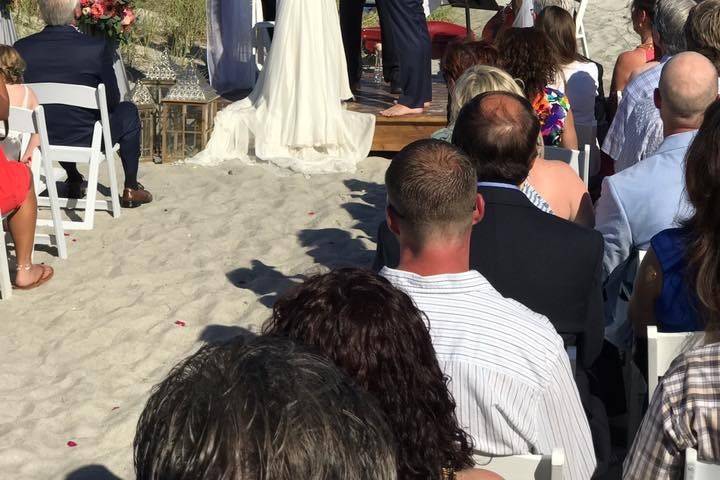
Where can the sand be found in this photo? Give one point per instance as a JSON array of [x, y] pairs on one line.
[[140, 292]]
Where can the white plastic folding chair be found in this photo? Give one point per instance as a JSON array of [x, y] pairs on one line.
[[5, 284], [587, 135], [579, 160], [524, 467], [95, 99], [663, 348], [699, 470], [580, 27], [29, 122]]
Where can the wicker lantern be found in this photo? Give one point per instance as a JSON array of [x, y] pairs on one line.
[[187, 116], [142, 98], [161, 78]]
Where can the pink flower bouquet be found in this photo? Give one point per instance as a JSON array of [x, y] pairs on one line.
[[112, 19]]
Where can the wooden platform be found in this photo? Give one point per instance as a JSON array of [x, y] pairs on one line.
[[392, 134]]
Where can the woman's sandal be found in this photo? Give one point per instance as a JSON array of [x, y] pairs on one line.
[[47, 274]]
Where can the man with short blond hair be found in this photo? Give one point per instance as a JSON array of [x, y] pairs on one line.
[[509, 372]]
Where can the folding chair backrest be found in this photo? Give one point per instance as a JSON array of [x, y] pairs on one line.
[[580, 6], [663, 348], [77, 96], [579, 160], [524, 467], [699, 470]]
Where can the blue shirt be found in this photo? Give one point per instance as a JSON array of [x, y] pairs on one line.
[[676, 308], [637, 204]]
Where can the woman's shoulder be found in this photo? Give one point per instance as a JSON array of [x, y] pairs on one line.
[[561, 172]]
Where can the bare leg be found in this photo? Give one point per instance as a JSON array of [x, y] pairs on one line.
[[398, 110], [22, 229]]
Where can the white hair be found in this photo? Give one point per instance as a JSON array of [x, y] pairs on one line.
[[58, 12]]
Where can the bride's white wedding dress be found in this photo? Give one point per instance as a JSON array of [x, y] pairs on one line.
[[294, 118]]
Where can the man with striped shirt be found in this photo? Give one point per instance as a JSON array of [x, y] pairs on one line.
[[508, 369]]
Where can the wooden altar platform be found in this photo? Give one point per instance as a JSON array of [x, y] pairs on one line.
[[392, 134]]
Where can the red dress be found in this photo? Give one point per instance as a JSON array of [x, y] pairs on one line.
[[14, 184]]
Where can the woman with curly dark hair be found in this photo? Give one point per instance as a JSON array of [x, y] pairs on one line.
[[528, 54], [374, 332]]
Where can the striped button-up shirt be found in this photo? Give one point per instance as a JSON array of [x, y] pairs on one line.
[[508, 369], [684, 413]]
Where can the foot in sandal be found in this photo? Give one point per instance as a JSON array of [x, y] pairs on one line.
[[32, 276]]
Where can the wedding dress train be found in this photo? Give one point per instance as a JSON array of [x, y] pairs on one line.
[[294, 118]]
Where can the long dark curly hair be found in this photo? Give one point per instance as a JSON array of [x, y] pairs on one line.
[[702, 183], [528, 54], [374, 332]]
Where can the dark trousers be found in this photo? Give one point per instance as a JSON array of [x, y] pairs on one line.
[[125, 129], [268, 7], [408, 26], [351, 26]]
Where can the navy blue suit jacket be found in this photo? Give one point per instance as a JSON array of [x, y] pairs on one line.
[[62, 54]]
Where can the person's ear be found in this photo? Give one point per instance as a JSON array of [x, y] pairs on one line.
[[479, 211], [657, 98], [392, 221]]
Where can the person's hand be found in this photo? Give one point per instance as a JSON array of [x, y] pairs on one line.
[[26, 159]]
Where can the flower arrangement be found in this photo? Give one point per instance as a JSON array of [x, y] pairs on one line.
[[110, 18]]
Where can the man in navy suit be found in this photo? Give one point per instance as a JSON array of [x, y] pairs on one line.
[[62, 54]]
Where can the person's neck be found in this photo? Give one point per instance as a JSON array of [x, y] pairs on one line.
[[669, 130], [646, 38], [436, 259]]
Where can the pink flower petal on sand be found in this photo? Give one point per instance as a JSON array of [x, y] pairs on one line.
[[71, 444], [179, 323], [115, 408], [311, 213]]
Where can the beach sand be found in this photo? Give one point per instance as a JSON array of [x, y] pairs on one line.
[[201, 263]]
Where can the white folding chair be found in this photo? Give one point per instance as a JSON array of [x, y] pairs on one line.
[[91, 98], [29, 122], [524, 467], [663, 348], [580, 27], [587, 135], [697, 470], [5, 284], [579, 160]]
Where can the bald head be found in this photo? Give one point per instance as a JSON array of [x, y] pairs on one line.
[[498, 130], [688, 85]]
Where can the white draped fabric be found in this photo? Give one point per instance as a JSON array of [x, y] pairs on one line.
[[230, 58], [294, 118]]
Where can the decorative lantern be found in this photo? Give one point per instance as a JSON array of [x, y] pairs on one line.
[[142, 98], [161, 77], [187, 116]]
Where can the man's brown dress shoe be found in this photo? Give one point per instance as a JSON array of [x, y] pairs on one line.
[[134, 197]]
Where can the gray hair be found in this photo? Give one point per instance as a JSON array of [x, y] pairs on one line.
[[669, 23], [539, 5], [58, 12], [261, 408]]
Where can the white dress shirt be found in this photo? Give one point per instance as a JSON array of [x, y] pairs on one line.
[[508, 369], [635, 205], [641, 87]]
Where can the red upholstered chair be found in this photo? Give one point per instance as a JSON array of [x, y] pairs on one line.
[[442, 34]]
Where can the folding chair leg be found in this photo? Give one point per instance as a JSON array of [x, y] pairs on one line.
[[89, 220], [55, 209], [5, 285], [114, 193]]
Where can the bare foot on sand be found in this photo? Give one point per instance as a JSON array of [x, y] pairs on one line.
[[32, 277], [398, 110]]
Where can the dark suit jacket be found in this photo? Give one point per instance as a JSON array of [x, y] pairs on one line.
[[61, 54], [548, 264]]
